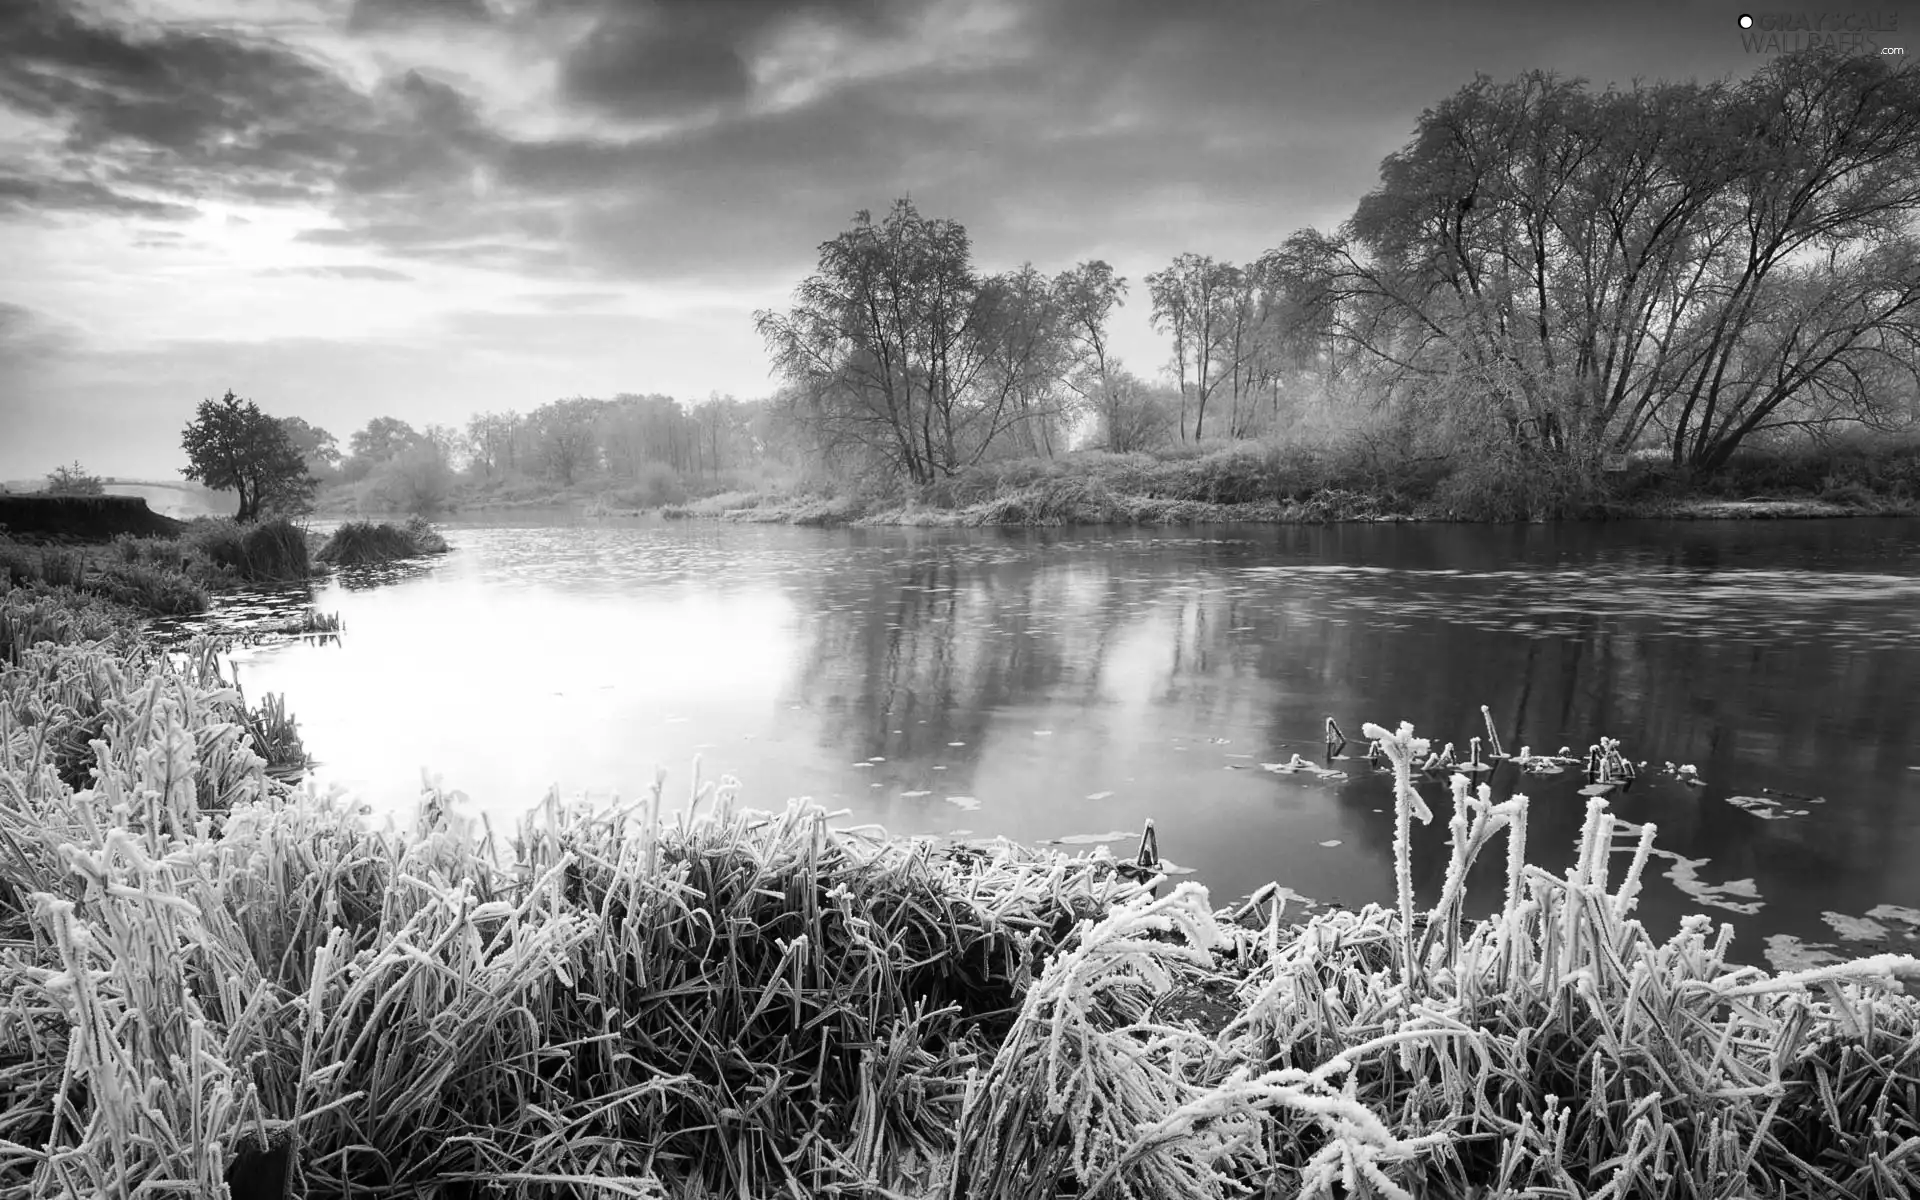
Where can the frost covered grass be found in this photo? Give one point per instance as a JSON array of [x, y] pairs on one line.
[[1555, 1049], [197, 962], [146, 587]]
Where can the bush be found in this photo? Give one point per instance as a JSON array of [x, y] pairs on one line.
[[1511, 484]]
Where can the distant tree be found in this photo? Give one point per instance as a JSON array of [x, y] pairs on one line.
[[417, 480], [73, 481], [489, 442], [567, 444], [383, 438], [318, 448], [231, 444]]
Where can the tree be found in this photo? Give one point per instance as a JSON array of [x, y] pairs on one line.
[[897, 351], [1689, 263], [490, 442], [73, 481], [1086, 295], [231, 444], [566, 441], [383, 438], [317, 448], [1212, 310]]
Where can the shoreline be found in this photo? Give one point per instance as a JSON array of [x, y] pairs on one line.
[[1133, 512]]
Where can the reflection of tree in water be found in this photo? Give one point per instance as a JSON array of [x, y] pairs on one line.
[[938, 641], [1186, 639]]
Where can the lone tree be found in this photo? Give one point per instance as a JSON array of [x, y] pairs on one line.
[[232, 444], [74, 481]]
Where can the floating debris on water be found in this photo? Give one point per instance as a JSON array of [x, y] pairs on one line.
[[1090, 839], [1098, 795], [1764, 808], [1786, 952], [1296, 764], [1857, 929]]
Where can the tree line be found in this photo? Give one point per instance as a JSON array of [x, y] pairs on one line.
[[277, 464], [1545, 277], [1568, 274]]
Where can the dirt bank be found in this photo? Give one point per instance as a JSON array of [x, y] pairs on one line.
[[83, 518]]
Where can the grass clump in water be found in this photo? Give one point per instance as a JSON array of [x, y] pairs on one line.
[[363, 543], [269, 551]]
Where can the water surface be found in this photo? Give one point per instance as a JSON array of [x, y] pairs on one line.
[[1041, 684]]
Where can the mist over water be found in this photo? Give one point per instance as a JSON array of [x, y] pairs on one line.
[[1060, 684]]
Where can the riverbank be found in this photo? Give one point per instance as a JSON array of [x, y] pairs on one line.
[[1251, 482], [697, 999], [178, 573], [1053, 506]]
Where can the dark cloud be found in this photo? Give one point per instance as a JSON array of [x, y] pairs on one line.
[[187, 109], [370, 15], [23, 194], [344, 271], [666, 58], [196, 113]]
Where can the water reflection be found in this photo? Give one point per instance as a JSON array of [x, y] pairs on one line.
[[1051, 684]]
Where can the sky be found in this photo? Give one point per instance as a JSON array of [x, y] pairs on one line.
[[345, 209]]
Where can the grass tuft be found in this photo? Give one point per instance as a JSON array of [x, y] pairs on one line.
[[363, 543]]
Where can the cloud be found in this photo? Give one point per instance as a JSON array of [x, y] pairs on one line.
[[29, 336], [370, 15], [673, 57], [344, 271], [23, 194]]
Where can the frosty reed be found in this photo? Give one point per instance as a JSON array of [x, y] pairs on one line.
[[200, 964]]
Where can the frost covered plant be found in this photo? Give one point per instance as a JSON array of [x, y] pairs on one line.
[[1402, 750], [1087, 1066]]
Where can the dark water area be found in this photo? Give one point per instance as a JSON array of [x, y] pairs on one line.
[[1050, 684]]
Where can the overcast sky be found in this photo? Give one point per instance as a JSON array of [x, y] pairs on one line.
[[425, 208]]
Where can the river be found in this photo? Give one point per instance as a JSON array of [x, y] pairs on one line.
[[1048, 684]]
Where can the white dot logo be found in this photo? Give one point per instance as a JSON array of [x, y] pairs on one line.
[[1746, 22]]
